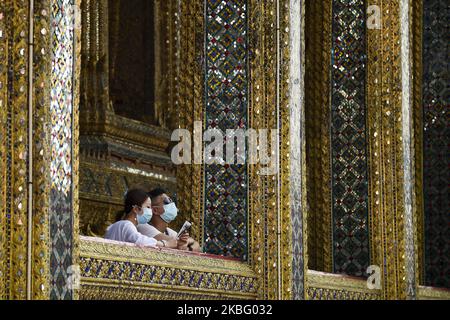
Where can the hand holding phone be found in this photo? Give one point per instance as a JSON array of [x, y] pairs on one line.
[[185, 228]]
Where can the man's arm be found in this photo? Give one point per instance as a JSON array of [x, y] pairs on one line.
[[194, 245], [172, 243]]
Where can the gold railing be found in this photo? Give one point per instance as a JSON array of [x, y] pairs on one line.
[[429, 293], [113, 270], [327, 286]]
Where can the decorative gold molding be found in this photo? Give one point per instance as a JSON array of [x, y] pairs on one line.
[[129, 130], [19, 149], [4, 107], [42, 151], [257, 183], [76, 141], [428, 293], [417, 74], [155, 272], [320, 285]]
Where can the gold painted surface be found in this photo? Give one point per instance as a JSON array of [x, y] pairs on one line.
[[286, 250], [190, 104], [41, 152], [417, 73], [4, 39], [386, 151], [317, 108], [121, 128], [19, 145], [76, 142], [257, 183], [269, 196], [154, 273], [326, 286], [263, 199], [428, 293], [269, 46]]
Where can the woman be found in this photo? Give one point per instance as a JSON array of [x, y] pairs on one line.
[[137, 211]]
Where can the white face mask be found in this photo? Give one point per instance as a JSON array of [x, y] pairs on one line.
[[170, 212], [145, 216]]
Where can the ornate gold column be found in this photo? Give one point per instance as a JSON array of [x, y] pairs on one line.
[[417, 77], [26, 178], [275, 201], [388, 123], [16, 144], [42, 150]]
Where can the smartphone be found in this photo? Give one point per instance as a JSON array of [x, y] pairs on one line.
[[185, 228]]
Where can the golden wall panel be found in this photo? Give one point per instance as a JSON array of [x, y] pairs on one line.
[[269, 209], [386, 194], [190, 102], [317, 107]]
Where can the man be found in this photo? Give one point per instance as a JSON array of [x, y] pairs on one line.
[[164, 212]]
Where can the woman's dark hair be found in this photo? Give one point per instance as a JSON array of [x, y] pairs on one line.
[[135, 197]]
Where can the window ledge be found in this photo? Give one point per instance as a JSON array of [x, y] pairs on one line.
[[327, 286], [432, 293], [116, 270]]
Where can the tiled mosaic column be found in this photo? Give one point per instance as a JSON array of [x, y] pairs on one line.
[[64, 139], [389, 124], [226, 98]]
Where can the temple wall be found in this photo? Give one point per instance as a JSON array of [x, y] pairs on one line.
[[356, 160]]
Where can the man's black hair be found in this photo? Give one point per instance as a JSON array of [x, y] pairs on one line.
[[156, 192]]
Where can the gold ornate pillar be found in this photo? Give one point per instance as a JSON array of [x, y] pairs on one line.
[[26, 148], [42, 151], [15, 27], [276, 202], [189, 101], [389, 129], [417, 78], [5, 7]]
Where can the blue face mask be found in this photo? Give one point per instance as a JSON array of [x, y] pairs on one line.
[[145, 217], [170, 212]]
